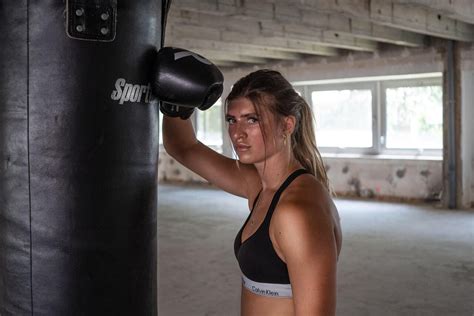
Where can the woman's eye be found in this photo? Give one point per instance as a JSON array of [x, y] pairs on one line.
[[252, 120], [230, 120]]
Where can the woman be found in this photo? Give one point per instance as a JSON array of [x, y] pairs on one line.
[[289, 245]]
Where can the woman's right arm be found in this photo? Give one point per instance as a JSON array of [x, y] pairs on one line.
[[181, 143]]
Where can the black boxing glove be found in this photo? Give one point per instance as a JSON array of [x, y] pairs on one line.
[[175, 110], [186, 79]]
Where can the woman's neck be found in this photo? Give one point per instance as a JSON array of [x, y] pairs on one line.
[[274, 170]]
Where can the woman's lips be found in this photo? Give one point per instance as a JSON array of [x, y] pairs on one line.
[[242, 147]]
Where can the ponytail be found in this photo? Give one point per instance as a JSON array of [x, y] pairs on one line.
[[304, 146]]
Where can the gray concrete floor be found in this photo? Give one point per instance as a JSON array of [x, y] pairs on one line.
[[397, 259]]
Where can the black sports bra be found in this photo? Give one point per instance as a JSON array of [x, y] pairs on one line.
[[257, 258]]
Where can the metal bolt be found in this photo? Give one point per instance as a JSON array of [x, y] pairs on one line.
[[79, 12], [104, 16], [79, 28], [104, 31]]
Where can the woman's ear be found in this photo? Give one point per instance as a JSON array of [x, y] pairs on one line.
[[289, 124]]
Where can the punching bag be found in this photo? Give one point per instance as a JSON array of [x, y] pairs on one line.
[[78, 157]]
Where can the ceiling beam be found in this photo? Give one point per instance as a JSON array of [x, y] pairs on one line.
[[440, 18], [410, 17], [176, 31], [219, 56], [462, 10], [315, 35], [359, 28], [283, 12], [270, 28], [224, 63], [349, 26], [241, 49], [391, 13]]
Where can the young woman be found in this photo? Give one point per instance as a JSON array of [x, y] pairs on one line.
[[289, 245]]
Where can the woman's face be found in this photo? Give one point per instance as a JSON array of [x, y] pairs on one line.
[[245, 131]]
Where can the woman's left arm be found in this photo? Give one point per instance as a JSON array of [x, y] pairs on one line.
[[304, 234]]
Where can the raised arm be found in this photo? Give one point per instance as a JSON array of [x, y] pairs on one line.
[[185, 81], [180, 142]]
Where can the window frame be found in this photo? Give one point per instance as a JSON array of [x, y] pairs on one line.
[[378, 86], [411, 83], [347, 86], [195, 120]]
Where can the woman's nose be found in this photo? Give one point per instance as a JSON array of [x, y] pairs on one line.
[[238, 131]]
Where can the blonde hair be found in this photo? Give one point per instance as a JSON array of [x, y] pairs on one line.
[[268, 88]]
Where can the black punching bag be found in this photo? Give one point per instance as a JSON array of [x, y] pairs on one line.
[[78, 157]]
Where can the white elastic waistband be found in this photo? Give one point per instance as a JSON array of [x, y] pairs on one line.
[[267, 289]]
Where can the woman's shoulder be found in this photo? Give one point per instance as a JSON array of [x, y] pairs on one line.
[[306, 196], [306, 189]]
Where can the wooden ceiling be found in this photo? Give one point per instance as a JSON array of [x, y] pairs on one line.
[[237, 32]]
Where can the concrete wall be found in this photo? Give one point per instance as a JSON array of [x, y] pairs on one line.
[[380, 177], [367, 178], [386, 178], [467, 137], [171, 170], [467, 125]]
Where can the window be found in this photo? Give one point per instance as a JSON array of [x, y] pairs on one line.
[[389, 115], [209, 125], [344, 118], [414, 117], [160, 119]]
